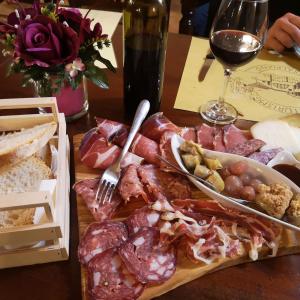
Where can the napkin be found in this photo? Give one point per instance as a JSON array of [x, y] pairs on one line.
[[266, 88]]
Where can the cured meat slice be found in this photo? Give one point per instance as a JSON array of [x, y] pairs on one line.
[[218, 143], [205, 136], [108, 128], [246, 148], [109, 279], [189, 133], [265, 156], [87, 190], [100, 236], [100, 154], [146, 259], [142, 217], [166, 151], [130, 185], [162, 185], [141, 146], [156, 125], [88, 139], [233, 136]]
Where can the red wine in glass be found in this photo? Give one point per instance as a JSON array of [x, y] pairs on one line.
[[236, 37]]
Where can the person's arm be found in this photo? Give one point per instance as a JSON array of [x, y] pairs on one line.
[[284, 33]]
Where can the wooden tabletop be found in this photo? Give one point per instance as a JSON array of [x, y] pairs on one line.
[[277, 278]]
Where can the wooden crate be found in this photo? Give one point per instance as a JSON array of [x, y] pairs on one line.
[[49, 240]]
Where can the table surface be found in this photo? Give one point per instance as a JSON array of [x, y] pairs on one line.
[[277, 278]]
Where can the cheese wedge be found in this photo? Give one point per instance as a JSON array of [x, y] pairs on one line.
[[277, 133]]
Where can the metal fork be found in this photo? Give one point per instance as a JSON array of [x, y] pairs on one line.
[[110, 177]]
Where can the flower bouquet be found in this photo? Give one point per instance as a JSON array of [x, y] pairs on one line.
[[55, 48]]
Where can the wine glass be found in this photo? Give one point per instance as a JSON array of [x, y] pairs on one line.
[[237, 35]]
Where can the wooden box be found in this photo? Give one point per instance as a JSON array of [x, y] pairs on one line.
[[47, 240]]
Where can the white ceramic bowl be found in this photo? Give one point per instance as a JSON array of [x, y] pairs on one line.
[[267, 174]]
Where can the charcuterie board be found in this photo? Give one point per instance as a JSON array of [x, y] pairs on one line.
[[186, 271]]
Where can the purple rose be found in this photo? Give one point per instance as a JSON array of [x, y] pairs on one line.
[[71, 16], [43, 42]]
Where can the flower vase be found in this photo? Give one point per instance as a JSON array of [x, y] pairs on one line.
[[73, 103]]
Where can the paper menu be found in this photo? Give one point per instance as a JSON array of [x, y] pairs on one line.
[[268, 87], [109, 21]]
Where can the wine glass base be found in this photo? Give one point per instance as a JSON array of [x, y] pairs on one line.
[[212, 113]]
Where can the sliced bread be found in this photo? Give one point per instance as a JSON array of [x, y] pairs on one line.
[[19, 145], [24, 176]]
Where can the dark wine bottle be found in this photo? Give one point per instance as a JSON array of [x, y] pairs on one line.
[[145, 27]]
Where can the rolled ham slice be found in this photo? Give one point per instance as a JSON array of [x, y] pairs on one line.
[[156, 125]]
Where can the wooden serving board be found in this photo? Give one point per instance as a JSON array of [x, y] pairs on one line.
[[186, 271]]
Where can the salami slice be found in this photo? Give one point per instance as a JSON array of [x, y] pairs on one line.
[[109, 279], [146, 259], [246, 148], [142, 217], [99, 237], [265, 156], [87, 190]]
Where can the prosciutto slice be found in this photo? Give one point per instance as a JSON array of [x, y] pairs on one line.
[[100, 154], [233, 136], [205, 136], [108, 128], [141, 146], [189, 133], [218, 143], [156, 125], [162, 185], [87, 190]]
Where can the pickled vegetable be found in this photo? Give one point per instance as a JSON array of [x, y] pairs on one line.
[[213, 163], [191, 161], [216, 180], [202, 171]]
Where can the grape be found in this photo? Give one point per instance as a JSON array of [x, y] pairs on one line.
[[238, 168], [233, 185], [255, 183], [224, 172], [248, 193], [245, 178]]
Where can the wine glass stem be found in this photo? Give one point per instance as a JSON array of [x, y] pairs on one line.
[[220, 104]]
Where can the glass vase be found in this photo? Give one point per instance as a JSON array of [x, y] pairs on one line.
[[73, 103]]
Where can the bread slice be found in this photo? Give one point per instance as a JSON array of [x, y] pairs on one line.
[[24, 176], [19, 145]]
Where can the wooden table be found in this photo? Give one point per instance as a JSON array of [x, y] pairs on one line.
[[277, 278]]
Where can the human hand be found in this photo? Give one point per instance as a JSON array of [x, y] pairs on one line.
[[284, 33]]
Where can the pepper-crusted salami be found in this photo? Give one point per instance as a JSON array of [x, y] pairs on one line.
[[99, 237], [108, 278], [143, 217], [146, 258]]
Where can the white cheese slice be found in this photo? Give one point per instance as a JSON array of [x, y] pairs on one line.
[[276, 133]]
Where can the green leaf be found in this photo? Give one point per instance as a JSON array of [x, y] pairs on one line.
[[97, 76]]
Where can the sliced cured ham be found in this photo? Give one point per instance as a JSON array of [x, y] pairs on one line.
[[218, 142], [265, 156], [166, 151], [162, 185], [233, 136], [87, 190], [246, 148], [108, 128], [100, 236], [141, 146], [156, 125], [205, 136], [146, 259], [130, 185], [100, 154], [88, 139], [142, 217], [189, 134], [109, 279]]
